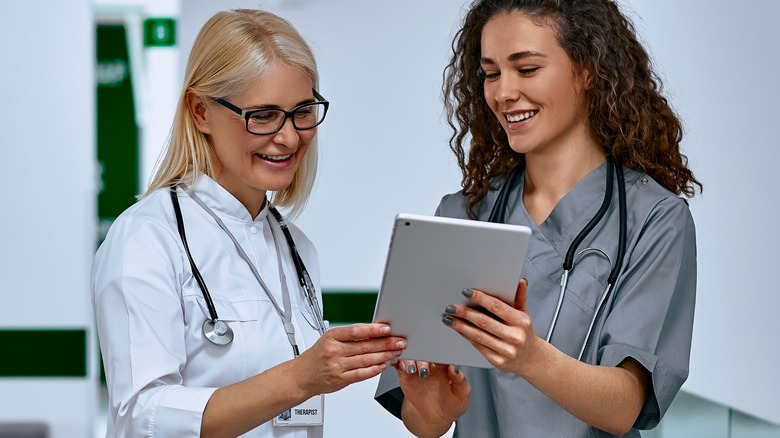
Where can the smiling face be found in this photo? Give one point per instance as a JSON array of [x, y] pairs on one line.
[[532, 87], [249, 165]]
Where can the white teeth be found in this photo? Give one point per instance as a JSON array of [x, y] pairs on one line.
[[521, 116], [275, 157]]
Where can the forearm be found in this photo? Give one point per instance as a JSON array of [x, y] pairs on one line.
[[235, 409], [608, 398], [420, 426]]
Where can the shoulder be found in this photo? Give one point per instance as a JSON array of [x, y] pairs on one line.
[[658, 214], [150, 219], [301, 239], [303, 243], [154, 207], [453, 205], [141, 243], [650, 200]]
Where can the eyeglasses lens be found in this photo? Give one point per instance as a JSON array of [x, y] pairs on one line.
[[268, 121]]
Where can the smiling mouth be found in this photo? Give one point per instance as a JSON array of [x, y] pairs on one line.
[[519, 117], [275, 158]]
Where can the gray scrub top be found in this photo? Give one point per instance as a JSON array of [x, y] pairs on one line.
[[649, 316]]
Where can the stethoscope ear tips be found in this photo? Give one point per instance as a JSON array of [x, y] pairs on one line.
[[217, 332]]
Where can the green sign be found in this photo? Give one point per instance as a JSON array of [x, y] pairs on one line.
[[117, 133], [43, 353], [159, 32]]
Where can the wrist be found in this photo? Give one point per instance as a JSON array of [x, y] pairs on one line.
[[538, 361], [295, 375], [424, 426]]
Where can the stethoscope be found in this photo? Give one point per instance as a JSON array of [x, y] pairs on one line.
[[498, 214], [219, 332]]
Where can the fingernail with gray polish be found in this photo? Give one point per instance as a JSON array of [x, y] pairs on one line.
[[457, 369], [447, 320], [423, 372], [411, 369], [450, 309], [467, 292]]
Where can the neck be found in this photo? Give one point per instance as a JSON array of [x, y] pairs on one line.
[[252, 199], [254, 207], [549, 178], [553, 175]]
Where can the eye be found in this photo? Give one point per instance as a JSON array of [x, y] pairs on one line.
[[489, 75], [528, 71], [304, 111], [264, 116]]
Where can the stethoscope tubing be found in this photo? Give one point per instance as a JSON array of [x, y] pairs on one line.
[[195, 272], [220, 333], [498, 214]]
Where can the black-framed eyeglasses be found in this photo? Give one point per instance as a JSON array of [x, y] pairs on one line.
[[270, 120]]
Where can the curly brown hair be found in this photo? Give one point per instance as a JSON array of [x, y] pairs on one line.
[[627, 114]]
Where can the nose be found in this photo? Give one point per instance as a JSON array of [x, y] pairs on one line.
[[288, 135], [507, 88]]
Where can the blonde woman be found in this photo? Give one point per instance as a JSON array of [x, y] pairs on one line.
[[206, 300]]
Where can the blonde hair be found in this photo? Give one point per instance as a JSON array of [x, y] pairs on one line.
[[233, 49]]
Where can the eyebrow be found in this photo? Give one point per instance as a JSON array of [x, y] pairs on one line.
[[514, 57], [274, 106]]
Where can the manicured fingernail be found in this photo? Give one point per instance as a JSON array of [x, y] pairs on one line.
[[467, 292], [384, 329], [450, 309], [392, 361], [423, 372], [447, 320], [401, 344], [411, 369], [457, 369]]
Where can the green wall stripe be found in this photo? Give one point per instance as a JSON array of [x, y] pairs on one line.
[[43, 353], [63, 352], [348, 307]]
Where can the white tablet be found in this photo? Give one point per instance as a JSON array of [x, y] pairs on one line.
[[430, 261]]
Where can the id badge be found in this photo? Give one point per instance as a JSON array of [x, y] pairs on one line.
[[308, 413]]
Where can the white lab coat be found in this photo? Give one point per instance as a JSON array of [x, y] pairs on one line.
[[161, 370]]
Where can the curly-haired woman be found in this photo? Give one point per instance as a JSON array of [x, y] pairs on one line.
[[558, 116]]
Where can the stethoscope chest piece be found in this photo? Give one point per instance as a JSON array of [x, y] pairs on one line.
[[217, 332]]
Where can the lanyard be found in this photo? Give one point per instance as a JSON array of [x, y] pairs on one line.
[[303, 274], [286, 314]]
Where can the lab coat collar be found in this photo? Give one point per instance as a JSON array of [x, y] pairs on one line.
[[223, 202]]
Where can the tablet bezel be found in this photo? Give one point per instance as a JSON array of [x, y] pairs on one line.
[[430, 260]]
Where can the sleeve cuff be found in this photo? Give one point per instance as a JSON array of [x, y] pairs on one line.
[[180, 411]]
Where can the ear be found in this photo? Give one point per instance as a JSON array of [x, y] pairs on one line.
[[198, 112], [584, 79]]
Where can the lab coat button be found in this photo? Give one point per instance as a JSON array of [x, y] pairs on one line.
[[644, 181], [253, 229]]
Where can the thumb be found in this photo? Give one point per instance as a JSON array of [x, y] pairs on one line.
[[520, 296], [460, 386]]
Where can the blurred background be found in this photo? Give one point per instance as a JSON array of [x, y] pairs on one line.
[[89, 89]]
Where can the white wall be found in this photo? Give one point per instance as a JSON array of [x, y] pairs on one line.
[[720, 61], [47, 185]]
